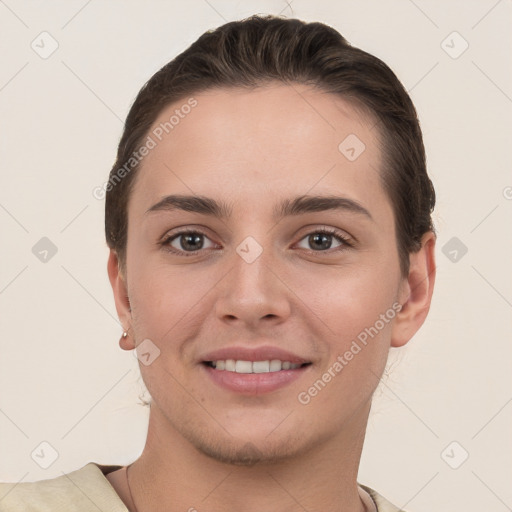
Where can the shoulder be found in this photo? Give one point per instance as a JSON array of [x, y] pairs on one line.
[[382, 504], [79, 491]]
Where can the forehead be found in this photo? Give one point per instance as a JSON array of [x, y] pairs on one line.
[[261, 142]]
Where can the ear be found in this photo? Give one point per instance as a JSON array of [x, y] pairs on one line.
[[122, 301], [416, 292]]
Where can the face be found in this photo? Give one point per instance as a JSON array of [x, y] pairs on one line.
[[306, 288]]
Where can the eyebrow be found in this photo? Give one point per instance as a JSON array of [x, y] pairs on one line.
[[288, 207]]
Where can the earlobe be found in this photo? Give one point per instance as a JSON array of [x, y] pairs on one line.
[[416, 293], [121, 299]]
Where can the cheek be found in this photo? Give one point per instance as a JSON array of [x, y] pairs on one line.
[[347, 300], [353, 316], [167, 299]]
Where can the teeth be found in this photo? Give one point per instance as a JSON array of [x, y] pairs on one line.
[[275, 365], [243, 367], [240, 366], [261, 366]]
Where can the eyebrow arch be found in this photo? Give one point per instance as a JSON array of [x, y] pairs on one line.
[[288, 207]]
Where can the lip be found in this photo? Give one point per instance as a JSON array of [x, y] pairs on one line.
[[262, 353], [253, 383]]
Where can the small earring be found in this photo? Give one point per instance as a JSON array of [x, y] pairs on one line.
[[125, 334]]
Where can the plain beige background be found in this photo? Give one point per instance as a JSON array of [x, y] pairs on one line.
[[65, 382]]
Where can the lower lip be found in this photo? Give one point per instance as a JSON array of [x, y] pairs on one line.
[[254, 383]]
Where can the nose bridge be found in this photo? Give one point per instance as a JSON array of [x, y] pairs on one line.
[[252, 291], [252, 273]]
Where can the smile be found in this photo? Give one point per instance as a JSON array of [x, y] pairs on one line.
[[241, 366]]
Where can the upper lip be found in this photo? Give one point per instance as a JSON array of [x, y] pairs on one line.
[[262, 353]]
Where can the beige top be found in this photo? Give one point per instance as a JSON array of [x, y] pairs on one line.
[[88, 489]]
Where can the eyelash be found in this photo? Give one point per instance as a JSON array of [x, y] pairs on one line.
[[346, 243]]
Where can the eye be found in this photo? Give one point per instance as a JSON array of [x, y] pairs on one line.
[[186, 242], [321, 240], [191, 242]]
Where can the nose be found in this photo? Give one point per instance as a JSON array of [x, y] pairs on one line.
[[253, 292]]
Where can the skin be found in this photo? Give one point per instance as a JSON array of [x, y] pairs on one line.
[[214, 449]]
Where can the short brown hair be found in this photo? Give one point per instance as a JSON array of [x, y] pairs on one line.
[[261, 49]]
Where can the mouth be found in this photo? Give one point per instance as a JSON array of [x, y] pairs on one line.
[[252, 373], [256, 370], [247, 367]]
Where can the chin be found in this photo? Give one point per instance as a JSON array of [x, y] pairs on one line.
[[245, 454], [251, 450]]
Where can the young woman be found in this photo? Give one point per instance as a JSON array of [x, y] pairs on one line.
[[269, 220]]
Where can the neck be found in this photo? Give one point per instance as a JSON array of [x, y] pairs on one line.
[[173, 475]]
